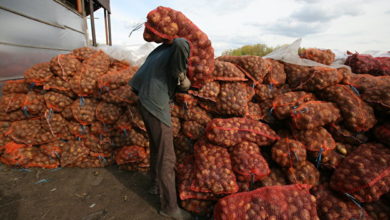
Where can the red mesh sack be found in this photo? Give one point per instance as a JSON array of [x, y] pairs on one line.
[[271, 202], [357, 115], [130, 154], [186, 100], [101, 129], [167, 23], [59, 85], [254, 67], [77, 129], [198, 206], [248, 163], [296, 74], [24, 131], [330, 160], [382, 133], [65, 66], [115, 78], [83, 53], [11, 102], [209, 91], [316, 139], [57, 101], [341, 134], [306, 173], [213, 170], [365, 173], [33, 103], [97, 63], [363, 63], [384, 65], [288, 152], [15, 86], [54, 149], [314, 114], [285, 103], [197, 114], [232, 131], [15, 154], [276, 74], [373, 85], [209, 106], [176, 126], [38, 74], [108, 113], [326, 57], [268, 92], [73, 151], [41, 160], [84, 109], [123, 123], [276, 178], [378, 210], [98, 145], [225, 71], [320, 78], [136, 117], [254, 111], [233, 99], [331, 206]]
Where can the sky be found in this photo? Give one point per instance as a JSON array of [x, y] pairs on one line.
[[354, 25]]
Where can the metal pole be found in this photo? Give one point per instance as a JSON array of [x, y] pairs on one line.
[[91, 11], [105, 26], [109, 28]]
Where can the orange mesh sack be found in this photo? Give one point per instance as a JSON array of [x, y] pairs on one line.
[[84, 109], [108, 113], [232, 131], [271, 202], [209, 91], [15, 86], [197, 114], [24, 131], [198, 206], [176, 126], [314, 114], [233, 99], [186, 100], [83, 53], [13, 116], [320, 78], [84, 83], [115, 78], [136, 117], [101, 129], [33, 103], [53, 123], [331, 206], [382, 133], [167, 23], [138, 138], [276, 74], [268, 92], [254, 67], [213, 170], [365, 173], [91, 162], [98, 145], [276, 178], [121, 96], [254, 111], [41, 160], [15, 154], [225, 71], [183, 143], [77, 129], [306, 173], [54, 149], [296, 74], [123, 123], [73, 151], [357, 115], [57, 101], [341, 134], [97, 63], [11, 102], [326, 57], [59, 85], [65, 66], [285, 103], [38, 74], [378, 210], [130, 154], [316, 139], [288, 152], [248, 163]]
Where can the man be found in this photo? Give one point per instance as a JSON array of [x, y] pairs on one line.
[[155, 83]]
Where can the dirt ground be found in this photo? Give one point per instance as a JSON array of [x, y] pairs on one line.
[[75, 193]]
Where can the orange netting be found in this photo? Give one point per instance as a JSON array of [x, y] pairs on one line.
[[326, 57], [38, 74], [284, 104], [288, 152], [130, 154]]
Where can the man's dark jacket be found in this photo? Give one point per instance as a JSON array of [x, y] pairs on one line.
[[156, 80]]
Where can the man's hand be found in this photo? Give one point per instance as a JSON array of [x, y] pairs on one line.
[[183, 82]]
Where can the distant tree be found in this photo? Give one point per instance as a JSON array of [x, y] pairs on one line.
[[255, 49]]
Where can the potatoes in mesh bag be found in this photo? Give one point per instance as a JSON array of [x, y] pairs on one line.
[[130, 154], [84, 83], [288, 152], [197, 114], [135, 117], [92, 162], [138, 138], [320, 78], [65, 66], [11, 102], [266, 92], [54, 123], [176, 126], [233, 99], [276, 74], [73, 151], [54, 149], [59, 85], [198, 206], [101, 129], [84, 109], [57, 101], [13, 116], [98, 144], [77, 129], [67, 113], [316, 139], [15, 86], [183, 143], [97, 64], [38, 74], [378, 210], [41, 160], [209, 91], [193, 129], [114, 78], [15, 154], [306, 173], [225, 71], [323, 56], [108, 113], [276, 178], [285, 103], [25, 131], [33, 103], [296, 74], [83, 53], [254, 111], [121, 96], [186, 100]]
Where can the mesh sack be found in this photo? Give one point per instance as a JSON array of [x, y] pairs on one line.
[[67, 113], [121, 96], [123, 123], [4, 126], [357, 115], [84, 83], [33, 103], [38, 74], [342, 134], [65, 66], [233, 99], [138, 138], [332, 206], [314, 114], [167, 23], [330, 160], [365, 173], [254, 111], [209, 106], [41, 160], [248, 163], [84, 109], [24, 131], [382, 133], [53, 123], [177, 111], [98, 145], [83, 53], [232, 131], [384, 65], [276, 74], [326, 57], [296, 74], [15, 86], [378, 210], [225, 71], [198, 206], [197, 114], [73, 151], [59, 85], [108, 113], [130, 154], [317, 139], [176, 126], [115, 78], [289, 153], [11, 102], [193, 130], [186, 100], [363, 63], [15, 154], [57, 101], [91, 162], [77, 129], [97, 63], [306, 173], [271, 202], [101, 129], [268, 92], [136, 117], [121, 139], [320, 78], [183, 143], [213, 170], [13, 116], [54, 149], [285, 103], [254, 67], [209, 91], [276, 178]]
